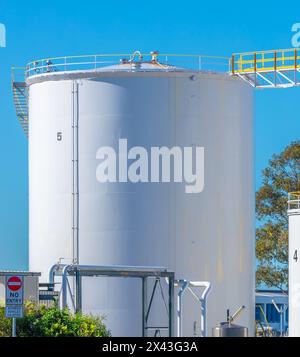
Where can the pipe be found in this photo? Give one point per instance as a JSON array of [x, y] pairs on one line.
[[54, 268], [64, 269], [136, 53], [116, 268], [202, 299], [236, 314], [183, 286], [64, 286], [52, 271], [280, 312]]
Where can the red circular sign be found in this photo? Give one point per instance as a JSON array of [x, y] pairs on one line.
[[14, 283]]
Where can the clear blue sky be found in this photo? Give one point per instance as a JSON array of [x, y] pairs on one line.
[[39, 29]]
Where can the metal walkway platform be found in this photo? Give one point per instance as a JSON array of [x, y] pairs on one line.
[[268, 69]]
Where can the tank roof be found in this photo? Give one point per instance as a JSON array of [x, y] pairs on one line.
[[86, 66], [141, 66]]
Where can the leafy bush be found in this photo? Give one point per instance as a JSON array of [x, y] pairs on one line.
[[41, 321], [5, 324]]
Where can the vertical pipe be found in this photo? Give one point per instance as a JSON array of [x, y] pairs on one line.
[[284, 318], [179, 314], [64, 283], [281, 321], [75, 174], [64, 293], [52, 271], [203, 301], [183, 284], [171, 305], [78, 291], [203, 319], [144, 306]]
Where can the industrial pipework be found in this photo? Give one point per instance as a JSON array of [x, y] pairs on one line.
[[184, 286]]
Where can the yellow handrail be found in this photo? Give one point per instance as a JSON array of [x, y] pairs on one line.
[[266, 51], [262, 61]]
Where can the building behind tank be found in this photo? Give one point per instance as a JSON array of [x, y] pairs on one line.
[[75, 109]]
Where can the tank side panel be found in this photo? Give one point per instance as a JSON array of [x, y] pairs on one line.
[[215, 229], [49, 175], [294, 273], [121, 223], [159, 224]]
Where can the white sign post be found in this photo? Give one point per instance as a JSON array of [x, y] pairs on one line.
[[14, 299]]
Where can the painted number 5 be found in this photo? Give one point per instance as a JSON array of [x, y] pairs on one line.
[[59, 136]]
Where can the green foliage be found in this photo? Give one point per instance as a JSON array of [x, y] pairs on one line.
[[5, 324], [39, 321], [280, 177]]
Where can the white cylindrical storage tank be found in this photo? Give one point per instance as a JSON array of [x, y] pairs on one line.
[[294, 263], [207, 235]]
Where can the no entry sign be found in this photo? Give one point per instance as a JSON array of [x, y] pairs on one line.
[[14, 283], [14, 287]]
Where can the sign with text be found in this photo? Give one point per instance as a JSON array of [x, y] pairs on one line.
[[14, 290], [13, 311]]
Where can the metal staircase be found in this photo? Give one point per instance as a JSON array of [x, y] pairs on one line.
[[21, 105]]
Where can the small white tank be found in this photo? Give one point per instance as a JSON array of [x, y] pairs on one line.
[[201, 236], [294, 263]]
